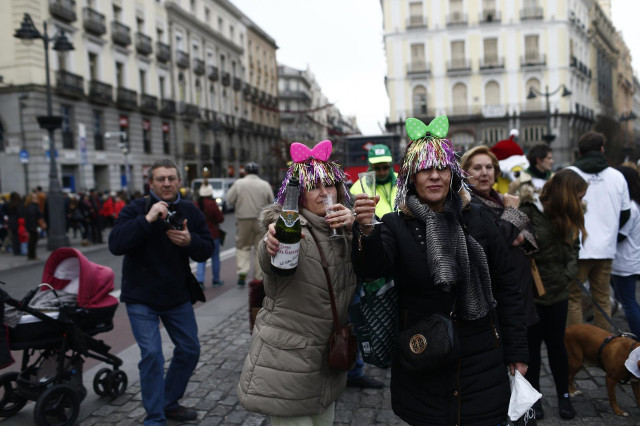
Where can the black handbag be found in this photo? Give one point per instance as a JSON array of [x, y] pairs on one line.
[[195, 291], [429, 345]]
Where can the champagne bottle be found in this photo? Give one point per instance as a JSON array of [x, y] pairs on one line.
[[288, 231]]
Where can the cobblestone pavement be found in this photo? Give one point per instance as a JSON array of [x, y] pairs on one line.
[[212, 391]]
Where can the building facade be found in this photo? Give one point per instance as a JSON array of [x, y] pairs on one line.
[[496, 65], [168, 74]]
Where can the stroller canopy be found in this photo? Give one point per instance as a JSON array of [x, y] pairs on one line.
[[67, 269]]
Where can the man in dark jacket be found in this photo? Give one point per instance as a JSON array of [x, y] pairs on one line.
[[157, 235]]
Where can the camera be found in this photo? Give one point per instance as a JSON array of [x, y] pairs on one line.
[[173, 219]]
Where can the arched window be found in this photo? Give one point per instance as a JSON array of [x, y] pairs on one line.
[[534, 104], [419, 101], [460, 99], [492, 93]]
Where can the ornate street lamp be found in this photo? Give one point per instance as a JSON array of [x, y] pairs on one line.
[[57, 236], [625, 117], [533, 92]]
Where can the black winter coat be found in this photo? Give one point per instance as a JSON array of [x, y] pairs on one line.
[[154, 270], [477, 391]]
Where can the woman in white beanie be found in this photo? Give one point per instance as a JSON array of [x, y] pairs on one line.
[[214, 217]]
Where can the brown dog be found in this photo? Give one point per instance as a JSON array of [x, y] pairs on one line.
[[583, 342]]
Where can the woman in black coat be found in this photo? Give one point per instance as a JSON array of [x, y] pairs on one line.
[[439, 250]]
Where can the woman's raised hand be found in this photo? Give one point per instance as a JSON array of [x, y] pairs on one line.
[[340, 217], [364, 209]]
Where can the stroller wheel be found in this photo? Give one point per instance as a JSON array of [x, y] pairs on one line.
[[117, 383], [59, 405], [100, 382], [10, 401]]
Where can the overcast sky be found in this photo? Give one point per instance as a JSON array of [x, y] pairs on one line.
[[341, 42]]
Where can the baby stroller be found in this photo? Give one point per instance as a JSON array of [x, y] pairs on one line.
[[58, 340]]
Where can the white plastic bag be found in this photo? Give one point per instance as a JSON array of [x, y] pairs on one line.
[[523, 396]]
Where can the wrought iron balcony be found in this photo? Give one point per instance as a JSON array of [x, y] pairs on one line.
[[212, 73], [167, 107], [126, 98], [417, 22], [189, 111], [120, 33], [93, 21], [100, 93], [418, 67], [531, 13], [148, 103], [226, 79], [533, 60], [457, 65], [489, 17], [163, 52], [456, 18], [488, 63], [237, 84], [63, 9], [69, 84], [182, 58], [246, 92], [198, 66], [143, 44]]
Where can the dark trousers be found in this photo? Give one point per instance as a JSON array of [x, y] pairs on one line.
[[15, 242], [550, 329], [31, 245]]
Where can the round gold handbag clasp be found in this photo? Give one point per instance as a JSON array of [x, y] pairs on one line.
[[417, 343]]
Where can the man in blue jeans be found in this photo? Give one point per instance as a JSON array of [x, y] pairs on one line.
[[157, 235]]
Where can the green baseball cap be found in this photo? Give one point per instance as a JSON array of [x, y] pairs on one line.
[[379, 154]]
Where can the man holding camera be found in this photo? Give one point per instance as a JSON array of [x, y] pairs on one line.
[[157, 235]]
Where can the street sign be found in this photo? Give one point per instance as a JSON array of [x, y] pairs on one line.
[[24, 156]]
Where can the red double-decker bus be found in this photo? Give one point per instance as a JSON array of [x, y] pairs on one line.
[[358, 150]]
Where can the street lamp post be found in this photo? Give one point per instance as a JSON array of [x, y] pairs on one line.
[[533, 92], [25, 163], [56, 235], [625, 117], [124, 147]]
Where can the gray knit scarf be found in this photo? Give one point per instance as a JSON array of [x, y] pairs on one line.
[[455, 258]]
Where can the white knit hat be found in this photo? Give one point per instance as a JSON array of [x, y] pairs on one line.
[[205, 191]]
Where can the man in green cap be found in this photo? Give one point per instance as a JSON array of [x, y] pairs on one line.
[[380, 162]]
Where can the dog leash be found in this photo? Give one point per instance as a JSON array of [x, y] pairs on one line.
[[606, 316]]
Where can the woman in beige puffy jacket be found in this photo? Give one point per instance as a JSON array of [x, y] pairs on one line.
[[286, 373]]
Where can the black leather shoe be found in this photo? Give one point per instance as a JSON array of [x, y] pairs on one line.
[[364, 382], [181, 414], [537, 408], [565, 408]]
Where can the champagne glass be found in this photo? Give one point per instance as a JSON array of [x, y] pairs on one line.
[[328, 208], [368, 185]]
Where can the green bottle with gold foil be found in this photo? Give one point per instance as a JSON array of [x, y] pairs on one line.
[[288, 232]]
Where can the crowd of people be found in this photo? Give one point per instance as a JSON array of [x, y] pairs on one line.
[[507, 268]]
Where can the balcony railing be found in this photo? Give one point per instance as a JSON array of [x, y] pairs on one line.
[[189, 111], [143, 44], [491, 63], [212, 73], [167, 107], [198, 66], [416, 22], [99, 92], [69, 84], [456, 18], [489, 16], [459, 65], [182, 59], [246, 91], [93, 21], [533, 60], [63, 9], [237, 84], [148, 103], [418, 67], [120, 33], [126, 98], [531, 13], [226, 79], [163, 52]]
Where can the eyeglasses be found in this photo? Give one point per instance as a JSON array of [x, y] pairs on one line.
[[161, 179], [381, 168]]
